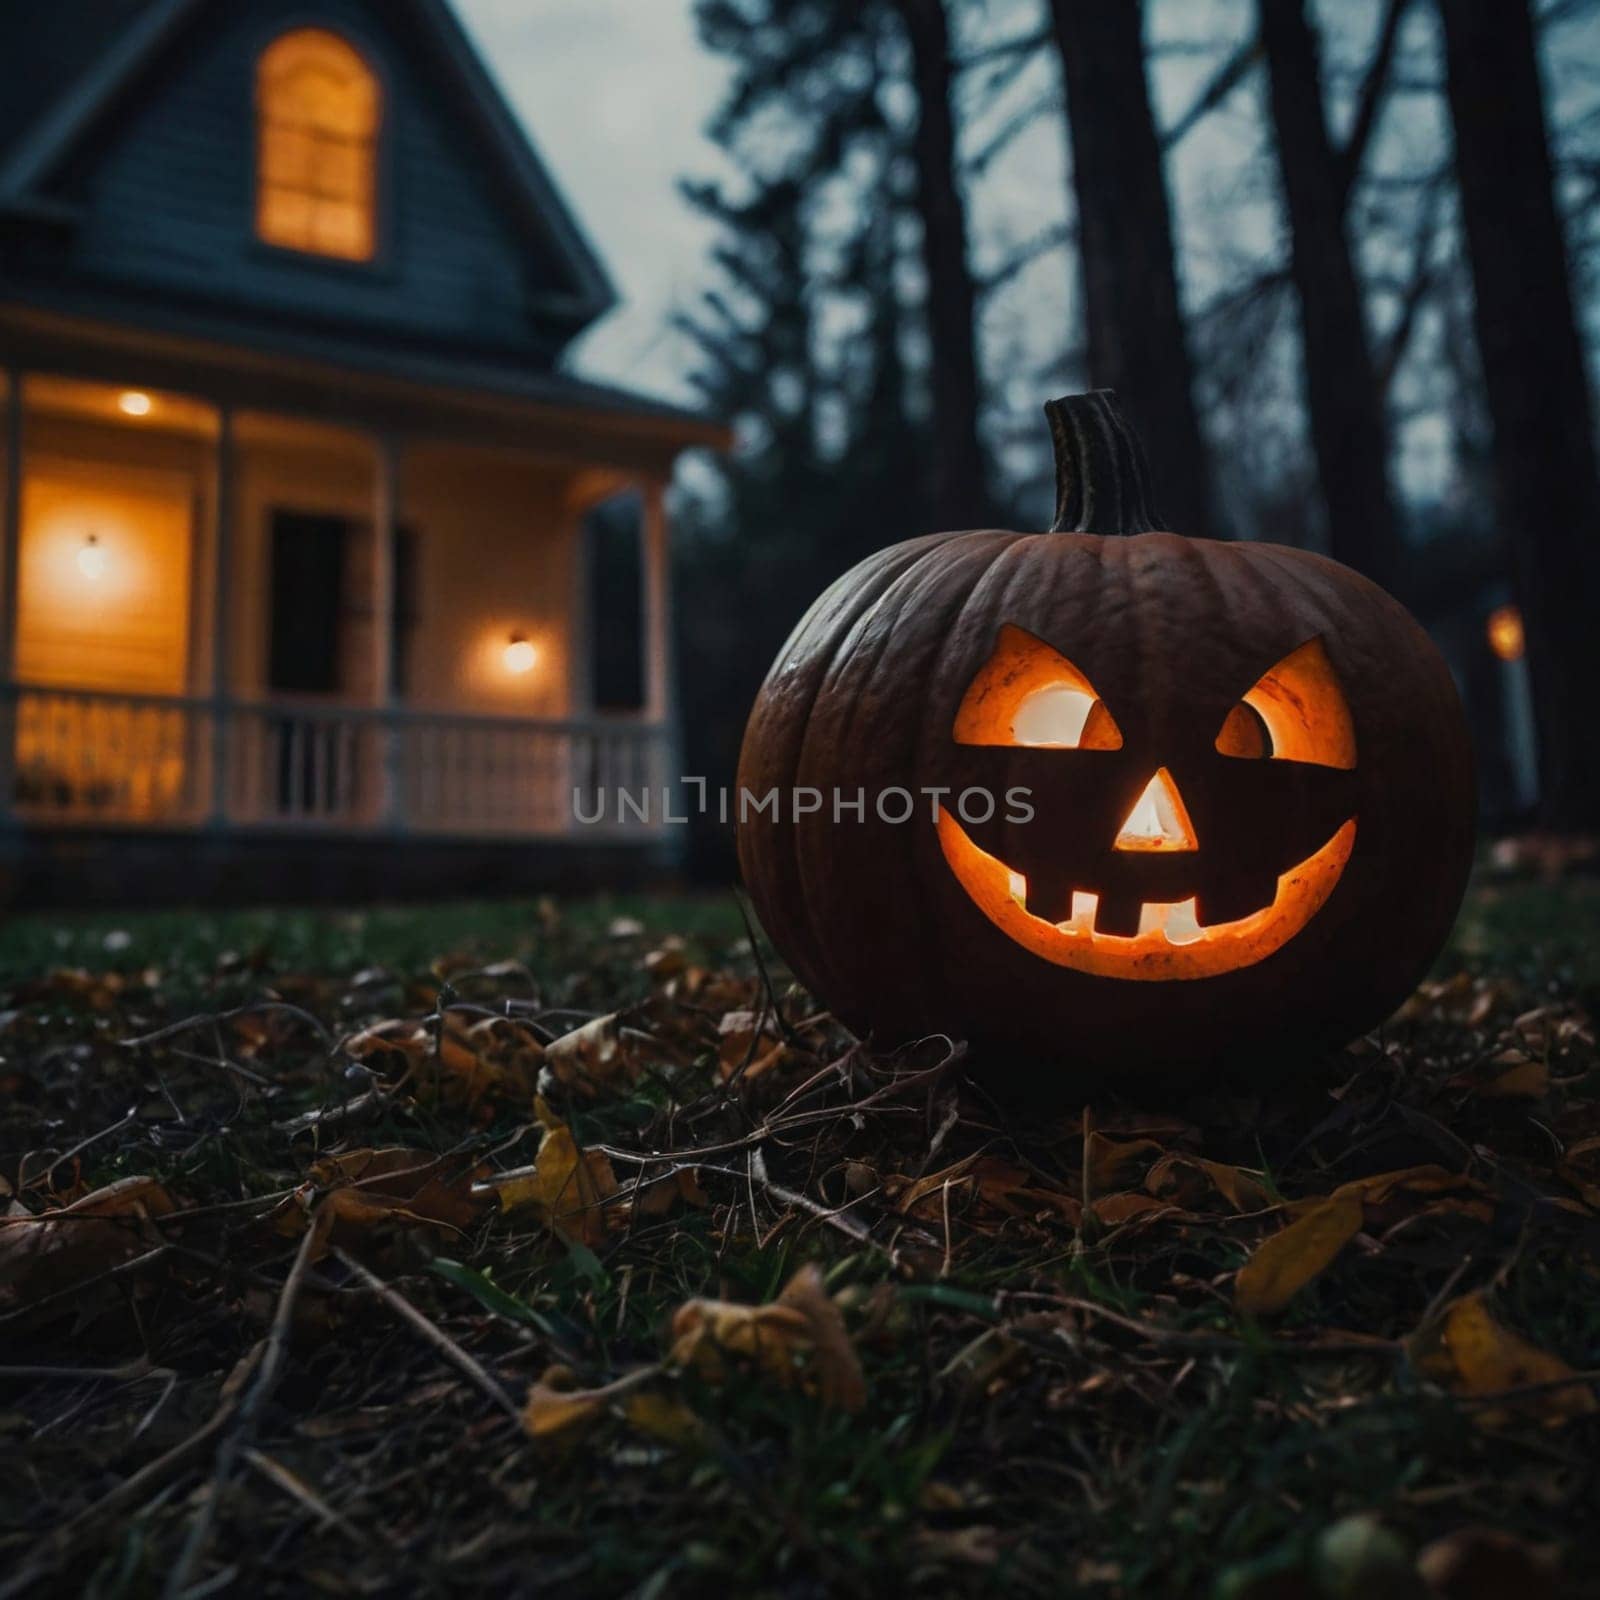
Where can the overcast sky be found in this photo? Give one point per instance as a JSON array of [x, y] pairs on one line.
[[615, 94]]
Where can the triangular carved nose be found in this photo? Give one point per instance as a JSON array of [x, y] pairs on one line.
[[1159, 819]]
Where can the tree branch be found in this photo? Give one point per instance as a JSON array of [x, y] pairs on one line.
[[1218, 87], [1370, 103], [1415, 293]]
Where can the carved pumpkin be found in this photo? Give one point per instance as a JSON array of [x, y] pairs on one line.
[[1177, 801]]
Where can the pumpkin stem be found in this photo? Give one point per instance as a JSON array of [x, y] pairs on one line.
[[1102, 478]]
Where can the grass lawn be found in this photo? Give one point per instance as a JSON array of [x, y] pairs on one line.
[[565, 1248]]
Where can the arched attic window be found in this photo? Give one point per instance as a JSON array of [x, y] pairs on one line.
[[319, 108]]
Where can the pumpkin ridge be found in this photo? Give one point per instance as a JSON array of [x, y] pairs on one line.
[[773, 854], [905, 601]]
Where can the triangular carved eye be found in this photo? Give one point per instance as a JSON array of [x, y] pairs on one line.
[[1296, 711], [1028, 693]]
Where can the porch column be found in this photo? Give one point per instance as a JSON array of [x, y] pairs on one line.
[[655, 570], [580, 612], [660, 698], [10, 566], [385, 508], [222, 618]]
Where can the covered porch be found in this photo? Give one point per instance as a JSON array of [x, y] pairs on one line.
[[242, 594]]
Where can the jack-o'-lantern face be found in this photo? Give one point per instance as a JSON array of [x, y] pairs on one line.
[[1112, 875]]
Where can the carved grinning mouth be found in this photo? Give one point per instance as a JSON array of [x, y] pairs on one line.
[[1171, 942]]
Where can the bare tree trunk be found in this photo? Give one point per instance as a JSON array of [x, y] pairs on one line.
[[1538, 392], [1134, 324], [960, 490], [1343, 394]]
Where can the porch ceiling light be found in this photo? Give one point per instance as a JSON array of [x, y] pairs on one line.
[[520, 655], [1505, 633], [92, 558], [134, 403]]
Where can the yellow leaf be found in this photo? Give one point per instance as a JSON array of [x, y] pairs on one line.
[[799, 1339], [1391, 1194], [556, 1413], [1468, 1351], [567, 1187], [662, 1417], [1284, 1264]]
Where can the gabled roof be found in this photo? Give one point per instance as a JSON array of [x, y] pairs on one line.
[[60, 104]]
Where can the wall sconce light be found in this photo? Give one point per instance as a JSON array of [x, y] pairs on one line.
[[520, 655], [92, 558], [134, 403], [1505, 633]]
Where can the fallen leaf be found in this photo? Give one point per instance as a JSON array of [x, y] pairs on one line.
[[567, 1187], [667, 961], [975, 1546], [600, 1054], [556, 1412], [680, 1187], [799, 1338], [1471, 1353], [1519, 1078], [1580, 1167], [662, 1416], [552, 1413], [1284, 1264], [912, 1199], [1115, 1209], [362, 1188], [983, 1191], [1192, 1181], [1324, 1224], [748, 1046], [1117, 1164], [461, 1063], [1487, 1564], [98, 1231]]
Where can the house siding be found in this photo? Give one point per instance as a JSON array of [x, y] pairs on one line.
[[168, 196]]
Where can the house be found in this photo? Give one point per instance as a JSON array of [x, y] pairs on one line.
[[295, 594]]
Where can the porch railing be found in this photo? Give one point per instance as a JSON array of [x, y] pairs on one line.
[[86, 757]]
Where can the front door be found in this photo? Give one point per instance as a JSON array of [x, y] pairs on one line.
[[309, 551], [314, 774]]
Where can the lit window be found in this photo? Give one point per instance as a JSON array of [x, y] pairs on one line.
[[318, 109]]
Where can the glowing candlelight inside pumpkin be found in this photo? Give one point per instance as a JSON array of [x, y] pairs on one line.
[[1159, 819]]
